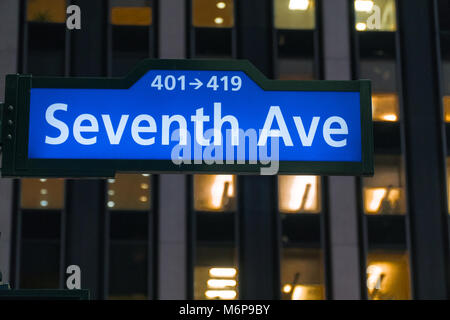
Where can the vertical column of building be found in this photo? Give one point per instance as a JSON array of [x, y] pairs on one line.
[[344, 244], [424, 146], [85, 204], [9, 35], [258, 222], [172, 208]]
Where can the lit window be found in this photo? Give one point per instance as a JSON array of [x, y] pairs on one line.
[[215, 274], [302, 274], [131, 13], [294, 14], [375, 15], [299, 194], [213, 14], [385, 107], [384, 193], [214, 193], [46, 11], [387, 276], [42, 194], [447, 108], [129, 192]]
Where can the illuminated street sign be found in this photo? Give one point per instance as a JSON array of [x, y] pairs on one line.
[[185, 116]]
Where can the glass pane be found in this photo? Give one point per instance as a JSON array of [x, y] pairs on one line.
[[388, 276], [213, 14], [299, 194], [385, 107], [214, 193], [215, 274], [302, 274], [445, 47], [295, 14], [42, 194], [130, 28], [375, 15], [448, 183], [131, 13], [384, 193], [46, 11], [129, 192]]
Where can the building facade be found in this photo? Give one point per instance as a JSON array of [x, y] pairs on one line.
[[171, 236]]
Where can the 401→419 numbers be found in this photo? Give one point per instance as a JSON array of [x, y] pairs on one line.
[[170, 82]]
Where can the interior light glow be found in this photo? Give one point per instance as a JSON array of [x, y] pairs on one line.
[[377, 196], [145, 175], [221, 283], [44, 203], [222, 272], [111, 180], [111, 204], [221, 5], [218, 20], [374, 273], [364, 5], [144, 186], [111, 192], [143, 199], [361, 26], [42, 180], [389, 117], [299, 293], [218, 188], [299, 5], [303, 193], [44, 191], [287, 288], [221, 294]]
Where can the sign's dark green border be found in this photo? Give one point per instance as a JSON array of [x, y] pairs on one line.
[[16, 120]]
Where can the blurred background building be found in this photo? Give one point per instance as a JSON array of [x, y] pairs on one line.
[[142, 236]]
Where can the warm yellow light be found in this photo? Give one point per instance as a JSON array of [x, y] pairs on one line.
[[299, 5], [299, 293], [218, 20], [145, 175], [144, 186], [374, 277], [222, 272], [377, 196], [218, 188], [361, 26], [143, 199], [287, 288], [389, 117], [221, 294], [44, 191], [43, 180], [221, 5], [221, 283], [303, 190], [364, 5]]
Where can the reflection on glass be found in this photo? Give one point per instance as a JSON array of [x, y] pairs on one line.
[[385, 107], [214, 193], [215, 274], [302, 274], [131, 13], [129, 192], [212, 13], [46, 11], [384, 193], [42, 193], [295, 14], [298, 194], [388, 276], [375, 15]]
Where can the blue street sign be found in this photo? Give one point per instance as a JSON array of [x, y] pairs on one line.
[[196, 116]]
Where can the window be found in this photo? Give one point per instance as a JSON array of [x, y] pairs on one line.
[[215, 273], [299, 194], [212, 31], [45, 40], [214, 193], [129, 216], [444, 11], [375, 15], [384, 193], [376, 25], [41, 204], [295, 23], [131, 24], [302, 274], [388, 275]]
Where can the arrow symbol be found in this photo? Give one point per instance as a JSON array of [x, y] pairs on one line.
[[197, 83]]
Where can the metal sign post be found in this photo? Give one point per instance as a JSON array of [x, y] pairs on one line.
[[190, 116]]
